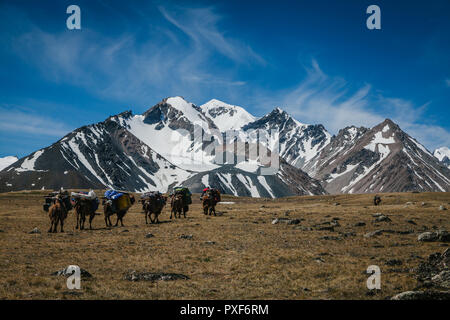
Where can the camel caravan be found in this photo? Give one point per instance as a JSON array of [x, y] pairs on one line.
[[59, 203]]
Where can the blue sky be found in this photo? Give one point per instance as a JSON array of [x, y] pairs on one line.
[[315, 59]]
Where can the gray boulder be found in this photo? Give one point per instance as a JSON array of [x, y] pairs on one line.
[[373, 233], [154, 276], [35, 231], [64, 272], [440, 235], [422, 295], [382, 218], [286, 221]]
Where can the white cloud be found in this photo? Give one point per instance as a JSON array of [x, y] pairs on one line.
[[135, 70], [320, 98], [201, 25], [22, 121]]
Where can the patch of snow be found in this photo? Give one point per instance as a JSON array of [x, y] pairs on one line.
[[349, 168], [249, 185], [379, 139], [262, 180], [248, 166], [7, 161], [29, 162], [84, 161], [205, 180], [174, 145], [421, 147], [226, 180]]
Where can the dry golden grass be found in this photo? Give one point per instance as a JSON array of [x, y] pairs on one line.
[[251, 258]]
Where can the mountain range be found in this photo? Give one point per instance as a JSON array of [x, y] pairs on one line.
[[160, 149]]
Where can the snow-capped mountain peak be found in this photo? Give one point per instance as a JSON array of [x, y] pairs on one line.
[[381, 159], [227, 116], [168, 128], [156, 150], [298, 142], [443, 154]]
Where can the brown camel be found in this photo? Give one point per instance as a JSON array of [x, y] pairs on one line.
[[57, 213], [376, 200], [84, 208], [178, 206], [153, 207], [209, 204]]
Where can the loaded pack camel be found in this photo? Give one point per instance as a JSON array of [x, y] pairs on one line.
[[210, 198], [109, 210], [376, 200], [57, 214], [152, 207], [209, 204], [178, 205]]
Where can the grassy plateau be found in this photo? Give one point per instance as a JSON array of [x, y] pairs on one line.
[[238, 254]]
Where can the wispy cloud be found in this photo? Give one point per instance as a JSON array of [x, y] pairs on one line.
[[201, 25], [179, 57], [447, 82], [136, 69], [19, 120], [321, 98]]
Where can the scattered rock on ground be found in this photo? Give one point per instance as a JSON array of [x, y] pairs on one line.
[[422, 295], [405, 231], [382, 218], [330, 238], [326, 228], [427, 237], [64, 272], [35, 230], [286, 221], [348, 234], [394, 262], [360, 224], [154, 276], [373, 233], [436, 236], [303, 228], [149, 235], [442, 208], [433, 278], [378, 214]]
